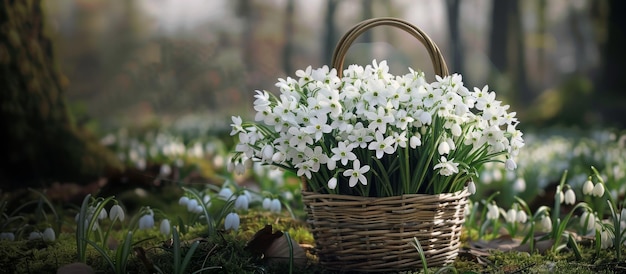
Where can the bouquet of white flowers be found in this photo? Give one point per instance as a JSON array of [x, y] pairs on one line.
[[371, 133], [386, 160]]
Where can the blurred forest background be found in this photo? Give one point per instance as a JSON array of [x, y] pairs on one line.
[[134, 62], [182, 63]]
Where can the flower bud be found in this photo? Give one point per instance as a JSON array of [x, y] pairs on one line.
[[332, 183], [522, 217], [510, 164], [9, 236], [48, 235], [146, 222], [471, 187], [598, 190], [116, 212], [588, 187], [231, 221], [546, 223], [266, 203], [275, 206], [443, 148], [241, 202], [192, 204], [570, 197], [511, 215], [183, 201], [165, 227]]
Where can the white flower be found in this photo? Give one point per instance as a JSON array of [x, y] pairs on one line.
[[471, 187], [598, 190], [447, 168], [606, 239], [225, 193], [116, 212], [332, 183], [165, 227], [570, 197], [275, 206], [510, 164], [102, 214], [588, 187], [192, 204], [559, 196], [242, 202], [48, 235], [511, 215], [382, 145], [493, 212], [546, 223], [443, 148], [356, 173], [522, 217], [35, 235], [266, 203], [146, 221], [588, 221], [519, 185], [231, 221], [9, 236], [343, 152]]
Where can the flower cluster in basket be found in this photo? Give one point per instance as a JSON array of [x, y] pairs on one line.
[[371, 133]]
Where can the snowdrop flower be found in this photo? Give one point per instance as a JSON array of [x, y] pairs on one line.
[[165, 227], [588, 222], [522, 217], [606, 239], [588, 187], [471, 187], [35, 235], [48, 235], [493, 212], [356, 173], [183, 201], [116, 212], [103, 214], [570, 197], [559, 196], [9, 236], [510, 164], [147, 221], [598, 190], [511, 215], [519, 185], [275, 206], [447, 168], [231, 221], [332, 183], [225, 193], [192, 204], [443, 148], [242, 202], [546, 223], [266, 203]]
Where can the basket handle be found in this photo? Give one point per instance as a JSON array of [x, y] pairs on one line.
[[349, 37]]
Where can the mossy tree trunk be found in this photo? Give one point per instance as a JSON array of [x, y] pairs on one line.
[[41, 142]]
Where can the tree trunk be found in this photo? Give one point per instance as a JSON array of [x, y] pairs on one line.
[[330, 39], [288, 49], [456, 42], [42, 143], [499, 35], [612, 86]]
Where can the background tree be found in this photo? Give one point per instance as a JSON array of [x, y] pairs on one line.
[[41, 143]]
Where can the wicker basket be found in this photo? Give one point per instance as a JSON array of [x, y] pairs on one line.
[[371, 234]]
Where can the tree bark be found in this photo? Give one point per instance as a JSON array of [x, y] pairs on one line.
[[456, 43], [42, 143], [330, 40], [612, 86], [288, 49]]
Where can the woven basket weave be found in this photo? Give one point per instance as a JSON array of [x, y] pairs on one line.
[[371, 234]]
